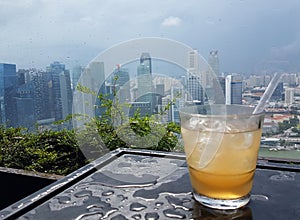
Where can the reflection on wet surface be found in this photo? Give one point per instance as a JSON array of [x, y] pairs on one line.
[[144, 187]]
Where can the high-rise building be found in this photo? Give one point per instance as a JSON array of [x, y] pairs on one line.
[[233, 90], [144, 83], [8, 83], [213, 61], [289, 96], [61, 90], [95, 81], [194, 79], [146, 59], [144, 78], [76, 73], [236, 92], [24, 106], [123, 82], [43, 99]]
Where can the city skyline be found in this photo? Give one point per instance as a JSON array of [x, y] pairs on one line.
[[33, 98]]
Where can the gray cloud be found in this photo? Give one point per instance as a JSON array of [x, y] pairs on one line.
[[244, 32]]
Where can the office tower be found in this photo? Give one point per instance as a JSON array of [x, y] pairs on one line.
[[146, 59], [43, 105], [213, 61], [144, 78], [24, 104], [61, 90], [236, 92], [123, 82], [8, 83], [145, 93], [289, 96], [76, 73], [233, 90], [194, 79]]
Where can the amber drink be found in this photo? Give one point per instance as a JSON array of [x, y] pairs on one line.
[[221, 143]]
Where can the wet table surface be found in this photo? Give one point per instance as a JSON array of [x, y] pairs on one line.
[[136, 184]]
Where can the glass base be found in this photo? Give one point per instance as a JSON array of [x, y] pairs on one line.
[[225, 204]]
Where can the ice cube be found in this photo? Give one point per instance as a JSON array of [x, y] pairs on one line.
[[248, 140], [242, 140], [193, 122]]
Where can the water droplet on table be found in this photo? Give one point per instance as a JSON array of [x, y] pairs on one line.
[[171, 213], [107, 193], [151, 216], [259, 197], [284, 176], [137, 207]]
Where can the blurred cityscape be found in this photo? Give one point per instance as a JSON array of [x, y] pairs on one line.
[[35, 99]]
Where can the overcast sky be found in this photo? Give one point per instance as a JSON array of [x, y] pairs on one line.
[[251, 36]]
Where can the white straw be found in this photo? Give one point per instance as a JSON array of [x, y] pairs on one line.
[[267, 94]]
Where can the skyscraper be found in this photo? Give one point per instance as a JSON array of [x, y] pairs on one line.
[[233, 90], [43, 105], [61, 90], [289, 96], [24, 106], [76, 73], [194, 79], [93, 80], [123, 79], [144, 78], [146, 59], [213, 61], [8, 83]]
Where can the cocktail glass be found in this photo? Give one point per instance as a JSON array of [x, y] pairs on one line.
[[221, 144]]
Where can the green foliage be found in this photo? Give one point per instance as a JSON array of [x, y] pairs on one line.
[[145, 132], [48, 151], [117, 130]]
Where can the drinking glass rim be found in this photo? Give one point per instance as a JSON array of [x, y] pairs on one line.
[[233, 115]]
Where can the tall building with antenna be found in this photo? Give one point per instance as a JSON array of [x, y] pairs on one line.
[[194, 79], [144, 78]]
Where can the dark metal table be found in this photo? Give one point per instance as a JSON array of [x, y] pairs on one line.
[[137, 184]]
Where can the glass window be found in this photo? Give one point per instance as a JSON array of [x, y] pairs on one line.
[[47, 48]]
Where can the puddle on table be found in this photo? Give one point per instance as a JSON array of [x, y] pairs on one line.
[[283, 176], [115, 193], [166, 188], [111, 179]]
